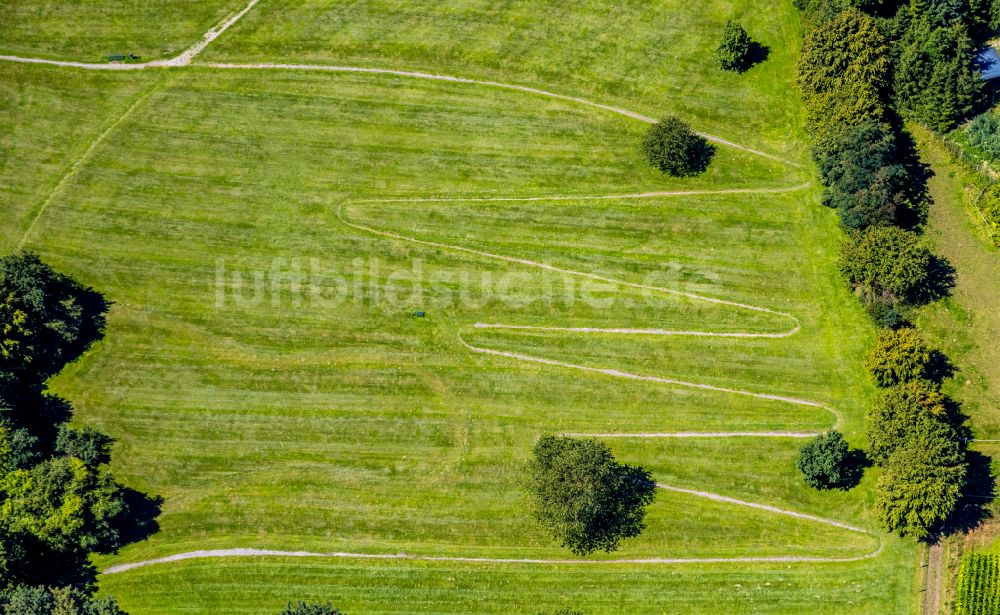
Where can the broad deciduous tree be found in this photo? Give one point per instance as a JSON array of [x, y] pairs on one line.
[[672, 147], [584, 497]]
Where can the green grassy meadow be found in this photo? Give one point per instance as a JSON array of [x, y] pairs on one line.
[[338, 422], [87, 31]]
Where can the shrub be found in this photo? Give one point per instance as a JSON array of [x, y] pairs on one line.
[[825, 462], [984, 133], [899, 355], [881, 310], [672, 147], [734, 52], [888, 263], [584, 497], [899, 412]]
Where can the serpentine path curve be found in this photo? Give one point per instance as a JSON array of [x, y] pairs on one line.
[[186, 58]]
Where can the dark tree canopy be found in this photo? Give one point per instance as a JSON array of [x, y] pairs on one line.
[[46, 319], [888, 263], [866, 183], [845, 72], [937, 81], [903, 410], [921, 485], [59, 501], [734, 52], [826, 462], [310, 608], [672, 147], [899, 355], [584, 497], [88, 445], [28, 600]]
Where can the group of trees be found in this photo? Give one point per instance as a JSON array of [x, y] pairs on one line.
[[845, 75], [915, 434], [59, 501], [866, 66], [936, 80]]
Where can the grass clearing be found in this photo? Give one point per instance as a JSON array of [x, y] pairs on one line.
[[87, 31], [352, 426], [964, 325], [48, 119], [874, 587], [650, 57]]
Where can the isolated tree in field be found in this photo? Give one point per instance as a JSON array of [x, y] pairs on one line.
[[887, 264], [734, 52], [825, 462], [584, 497], [902, 410], [921, 484], [310, 608], [899, 355], [672, 147]]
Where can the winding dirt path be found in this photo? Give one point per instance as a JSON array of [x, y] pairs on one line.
[[785, 559], [186, 58]]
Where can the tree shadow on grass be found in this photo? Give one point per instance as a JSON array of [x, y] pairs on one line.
[[977, 494], [699, 157], [912, 214], [757, 54], [140, 521], [941, 278], [939, 368], [854, 468]]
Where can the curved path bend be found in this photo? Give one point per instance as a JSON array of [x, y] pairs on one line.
[[186, 58]]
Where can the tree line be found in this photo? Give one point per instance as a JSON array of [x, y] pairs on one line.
[[867, 67], [59, 501]]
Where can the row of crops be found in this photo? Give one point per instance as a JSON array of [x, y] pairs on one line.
[[978, 585]]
